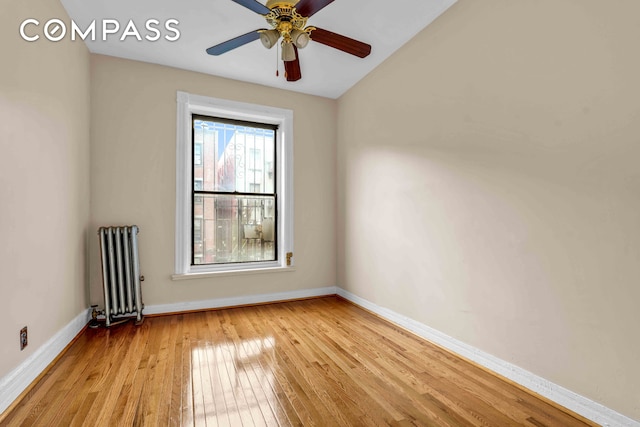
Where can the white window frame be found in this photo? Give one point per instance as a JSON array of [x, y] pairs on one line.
[[190, 104]]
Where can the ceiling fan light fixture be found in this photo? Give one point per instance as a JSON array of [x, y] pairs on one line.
[[269, 38], [300, 38], [288, 52]]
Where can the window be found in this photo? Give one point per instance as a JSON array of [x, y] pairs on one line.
[[198, 183], [197, 152], [227, 191], [234, 198], [197, 236]]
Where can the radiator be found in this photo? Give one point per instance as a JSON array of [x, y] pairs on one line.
[[121, 272]]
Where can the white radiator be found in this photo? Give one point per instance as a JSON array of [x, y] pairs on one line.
[[121, 272]]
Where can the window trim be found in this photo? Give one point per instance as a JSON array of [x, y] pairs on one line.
[[189, 104]]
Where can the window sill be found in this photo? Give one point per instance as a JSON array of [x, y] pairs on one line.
[[208, 274]]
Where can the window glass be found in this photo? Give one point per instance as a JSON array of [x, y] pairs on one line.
[[233, 191]]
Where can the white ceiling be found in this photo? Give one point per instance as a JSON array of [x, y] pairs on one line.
[[385, 25]]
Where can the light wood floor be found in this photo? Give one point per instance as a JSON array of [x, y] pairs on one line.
[[321, 362]]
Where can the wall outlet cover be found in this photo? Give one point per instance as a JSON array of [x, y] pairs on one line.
[[24, 339]]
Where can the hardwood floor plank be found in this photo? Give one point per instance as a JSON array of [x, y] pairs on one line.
[[82, 415], [252, 413], [136, 376], [316, 362], [265, 346], [299, 350], [201, 373], [335, 366], [291, 350], [174, 415], [114, 397], [295, 394], [147, 409], [370, 362], [236, 407], [245, 363], [167, 370], [186, 381]]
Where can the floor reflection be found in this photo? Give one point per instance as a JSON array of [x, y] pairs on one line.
[[232, 382]]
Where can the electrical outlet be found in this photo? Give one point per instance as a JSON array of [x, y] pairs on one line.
[[24, 338]]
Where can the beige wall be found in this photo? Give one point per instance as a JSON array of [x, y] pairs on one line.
[[489, 187], [44, 181], [133, 146]]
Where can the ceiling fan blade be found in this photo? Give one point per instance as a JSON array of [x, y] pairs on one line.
[[309, 7], [292, 68], [343, 43], [223, 47], [254, 5]]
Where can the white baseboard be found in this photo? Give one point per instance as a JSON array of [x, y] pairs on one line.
[[16, 381], [237, 301], [579, 404]]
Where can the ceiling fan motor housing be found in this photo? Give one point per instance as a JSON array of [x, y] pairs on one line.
[[285, 19]]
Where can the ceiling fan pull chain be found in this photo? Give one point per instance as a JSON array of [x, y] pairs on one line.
[[277, 61]]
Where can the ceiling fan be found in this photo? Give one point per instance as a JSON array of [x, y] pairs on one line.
[[288, 20]]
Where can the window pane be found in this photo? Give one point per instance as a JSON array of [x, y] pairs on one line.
[[235, 157], [234, 229], [198, 169], [197, 154]]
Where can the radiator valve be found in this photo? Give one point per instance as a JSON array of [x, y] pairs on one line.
[[93, 323]]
